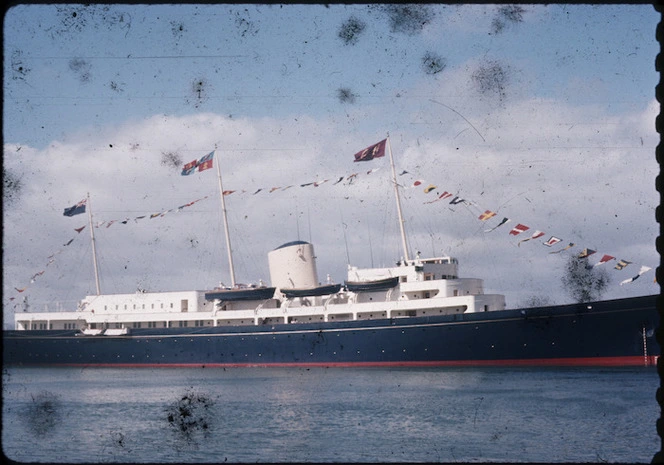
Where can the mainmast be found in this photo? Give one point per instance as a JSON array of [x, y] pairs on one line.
[[223, 211], [94, 249], [396, 193]]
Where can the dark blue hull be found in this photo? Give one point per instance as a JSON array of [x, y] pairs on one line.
[[618, 333]]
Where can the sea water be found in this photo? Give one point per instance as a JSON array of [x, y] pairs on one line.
[[329, 415]]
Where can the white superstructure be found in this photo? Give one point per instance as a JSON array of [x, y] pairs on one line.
[[425, 287]]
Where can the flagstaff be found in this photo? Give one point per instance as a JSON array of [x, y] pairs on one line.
[[396, 193], [94, 249], [228, 236]]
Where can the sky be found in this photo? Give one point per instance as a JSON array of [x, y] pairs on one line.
[[543, 114]]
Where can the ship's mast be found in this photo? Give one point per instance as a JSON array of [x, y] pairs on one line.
[[223, 212], [404, 244], [94, 249]]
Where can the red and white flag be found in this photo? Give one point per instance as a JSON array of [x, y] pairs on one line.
[[518, 229], [371, 152], [535, 235], [553, 240]]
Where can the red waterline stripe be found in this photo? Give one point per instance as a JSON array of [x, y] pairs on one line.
[[567, 362]]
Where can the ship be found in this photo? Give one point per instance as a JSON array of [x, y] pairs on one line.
[[417, 313]]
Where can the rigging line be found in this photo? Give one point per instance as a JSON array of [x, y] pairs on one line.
[[129, 57], [343, 228], [512, 198], [370, 248], [309, 218], [466, 120], [297, 221]]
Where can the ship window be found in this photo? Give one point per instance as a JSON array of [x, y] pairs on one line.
[[427, 295], [125, 306], [117, 306], [162, 305], [184, 305], [456, 292], [143, 307], [403, 279], [105, 307], [93, 325], [151, 305], [171, 304], [164, 324], [486, 308]]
